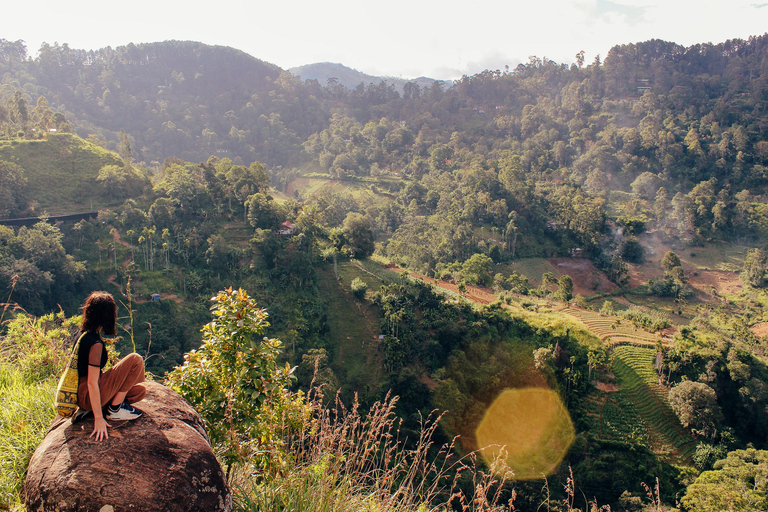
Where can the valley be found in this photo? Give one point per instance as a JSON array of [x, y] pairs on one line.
[[571, 254]]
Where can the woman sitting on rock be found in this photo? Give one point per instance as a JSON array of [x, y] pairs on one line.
[[115, 388]]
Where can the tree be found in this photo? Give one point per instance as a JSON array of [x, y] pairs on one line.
[[753, 272], [695, 404], [125, 148], [565, 288], [670, 260], [12, 188], [358, 235], [236, 384], [631, 250], [315, 367], [119, 182], [646, 185], [739, 483], [477, 270], [261, 211], [660, 205], [331, 253]]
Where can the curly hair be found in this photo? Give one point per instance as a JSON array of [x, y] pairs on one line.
[[99, 313]]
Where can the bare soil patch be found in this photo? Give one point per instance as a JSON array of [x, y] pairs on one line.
[[587, 279], [725, 283], [428, 381], [760, 330], [476, 294], [606, 388], [116, 238]]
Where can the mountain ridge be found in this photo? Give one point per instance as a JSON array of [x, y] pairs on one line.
[[351, 78]]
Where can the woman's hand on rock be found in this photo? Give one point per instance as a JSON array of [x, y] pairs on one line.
[[100, 429]]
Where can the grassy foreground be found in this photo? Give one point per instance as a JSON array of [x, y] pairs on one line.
[[24, 417]]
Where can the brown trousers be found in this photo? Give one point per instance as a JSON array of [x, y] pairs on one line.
[[124, 376]]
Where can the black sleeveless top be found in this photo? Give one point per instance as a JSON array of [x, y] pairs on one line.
[[88, 340]]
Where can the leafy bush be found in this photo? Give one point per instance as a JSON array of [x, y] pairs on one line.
[[650, 320], [236, 384], [39, 347], [359, 287]]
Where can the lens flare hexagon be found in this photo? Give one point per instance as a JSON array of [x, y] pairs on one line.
[[534, 428]]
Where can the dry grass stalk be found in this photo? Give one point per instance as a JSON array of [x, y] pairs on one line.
[[359, 461]]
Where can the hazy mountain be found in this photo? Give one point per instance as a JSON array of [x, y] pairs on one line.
[[351, 78]]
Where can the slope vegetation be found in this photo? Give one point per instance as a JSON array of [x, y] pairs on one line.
[[61, 172]]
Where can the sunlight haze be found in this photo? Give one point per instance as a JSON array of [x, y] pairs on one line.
[[398, 38]]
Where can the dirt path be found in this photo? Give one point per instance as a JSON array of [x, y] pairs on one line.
[[476, 294], [116, 238], [113, 278]]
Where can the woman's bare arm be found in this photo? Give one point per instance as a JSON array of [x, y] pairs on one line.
[[94, 393]]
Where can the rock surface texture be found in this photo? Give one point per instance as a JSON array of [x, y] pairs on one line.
[[162, 461]]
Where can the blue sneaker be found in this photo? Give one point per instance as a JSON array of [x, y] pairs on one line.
[[124, 411]]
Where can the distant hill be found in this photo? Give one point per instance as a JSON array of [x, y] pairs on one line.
[[351, 78], [179, 98]]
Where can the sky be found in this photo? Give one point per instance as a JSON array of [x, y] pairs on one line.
[[401, 38]]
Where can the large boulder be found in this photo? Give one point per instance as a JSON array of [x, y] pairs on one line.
[[162, 461]]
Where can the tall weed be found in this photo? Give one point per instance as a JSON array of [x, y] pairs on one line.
[[346, 460], [24, 418], [39, 347], [33, 352]]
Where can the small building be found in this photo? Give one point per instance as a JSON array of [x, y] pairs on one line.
[[287, 228]]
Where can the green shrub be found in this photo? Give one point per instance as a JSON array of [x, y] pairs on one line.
[[650, 320], [359, 287], [33, 351], [38, 347], [236, 384], [607, 308]]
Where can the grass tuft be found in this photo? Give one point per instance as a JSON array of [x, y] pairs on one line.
[[347, 460], [24, 418]]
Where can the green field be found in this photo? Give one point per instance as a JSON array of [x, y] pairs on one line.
[[611, 329], [61, 172], [638, 385], [314, 186], [353, 324], [636, 410], [532, 268], [238, 234]]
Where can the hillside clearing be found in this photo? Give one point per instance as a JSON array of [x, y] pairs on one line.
[[353, 326]]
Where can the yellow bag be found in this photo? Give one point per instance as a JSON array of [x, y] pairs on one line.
[[66, 392]]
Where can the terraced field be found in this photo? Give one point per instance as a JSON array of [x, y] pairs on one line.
[[612, 330], [638, 411], [638, 386]]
